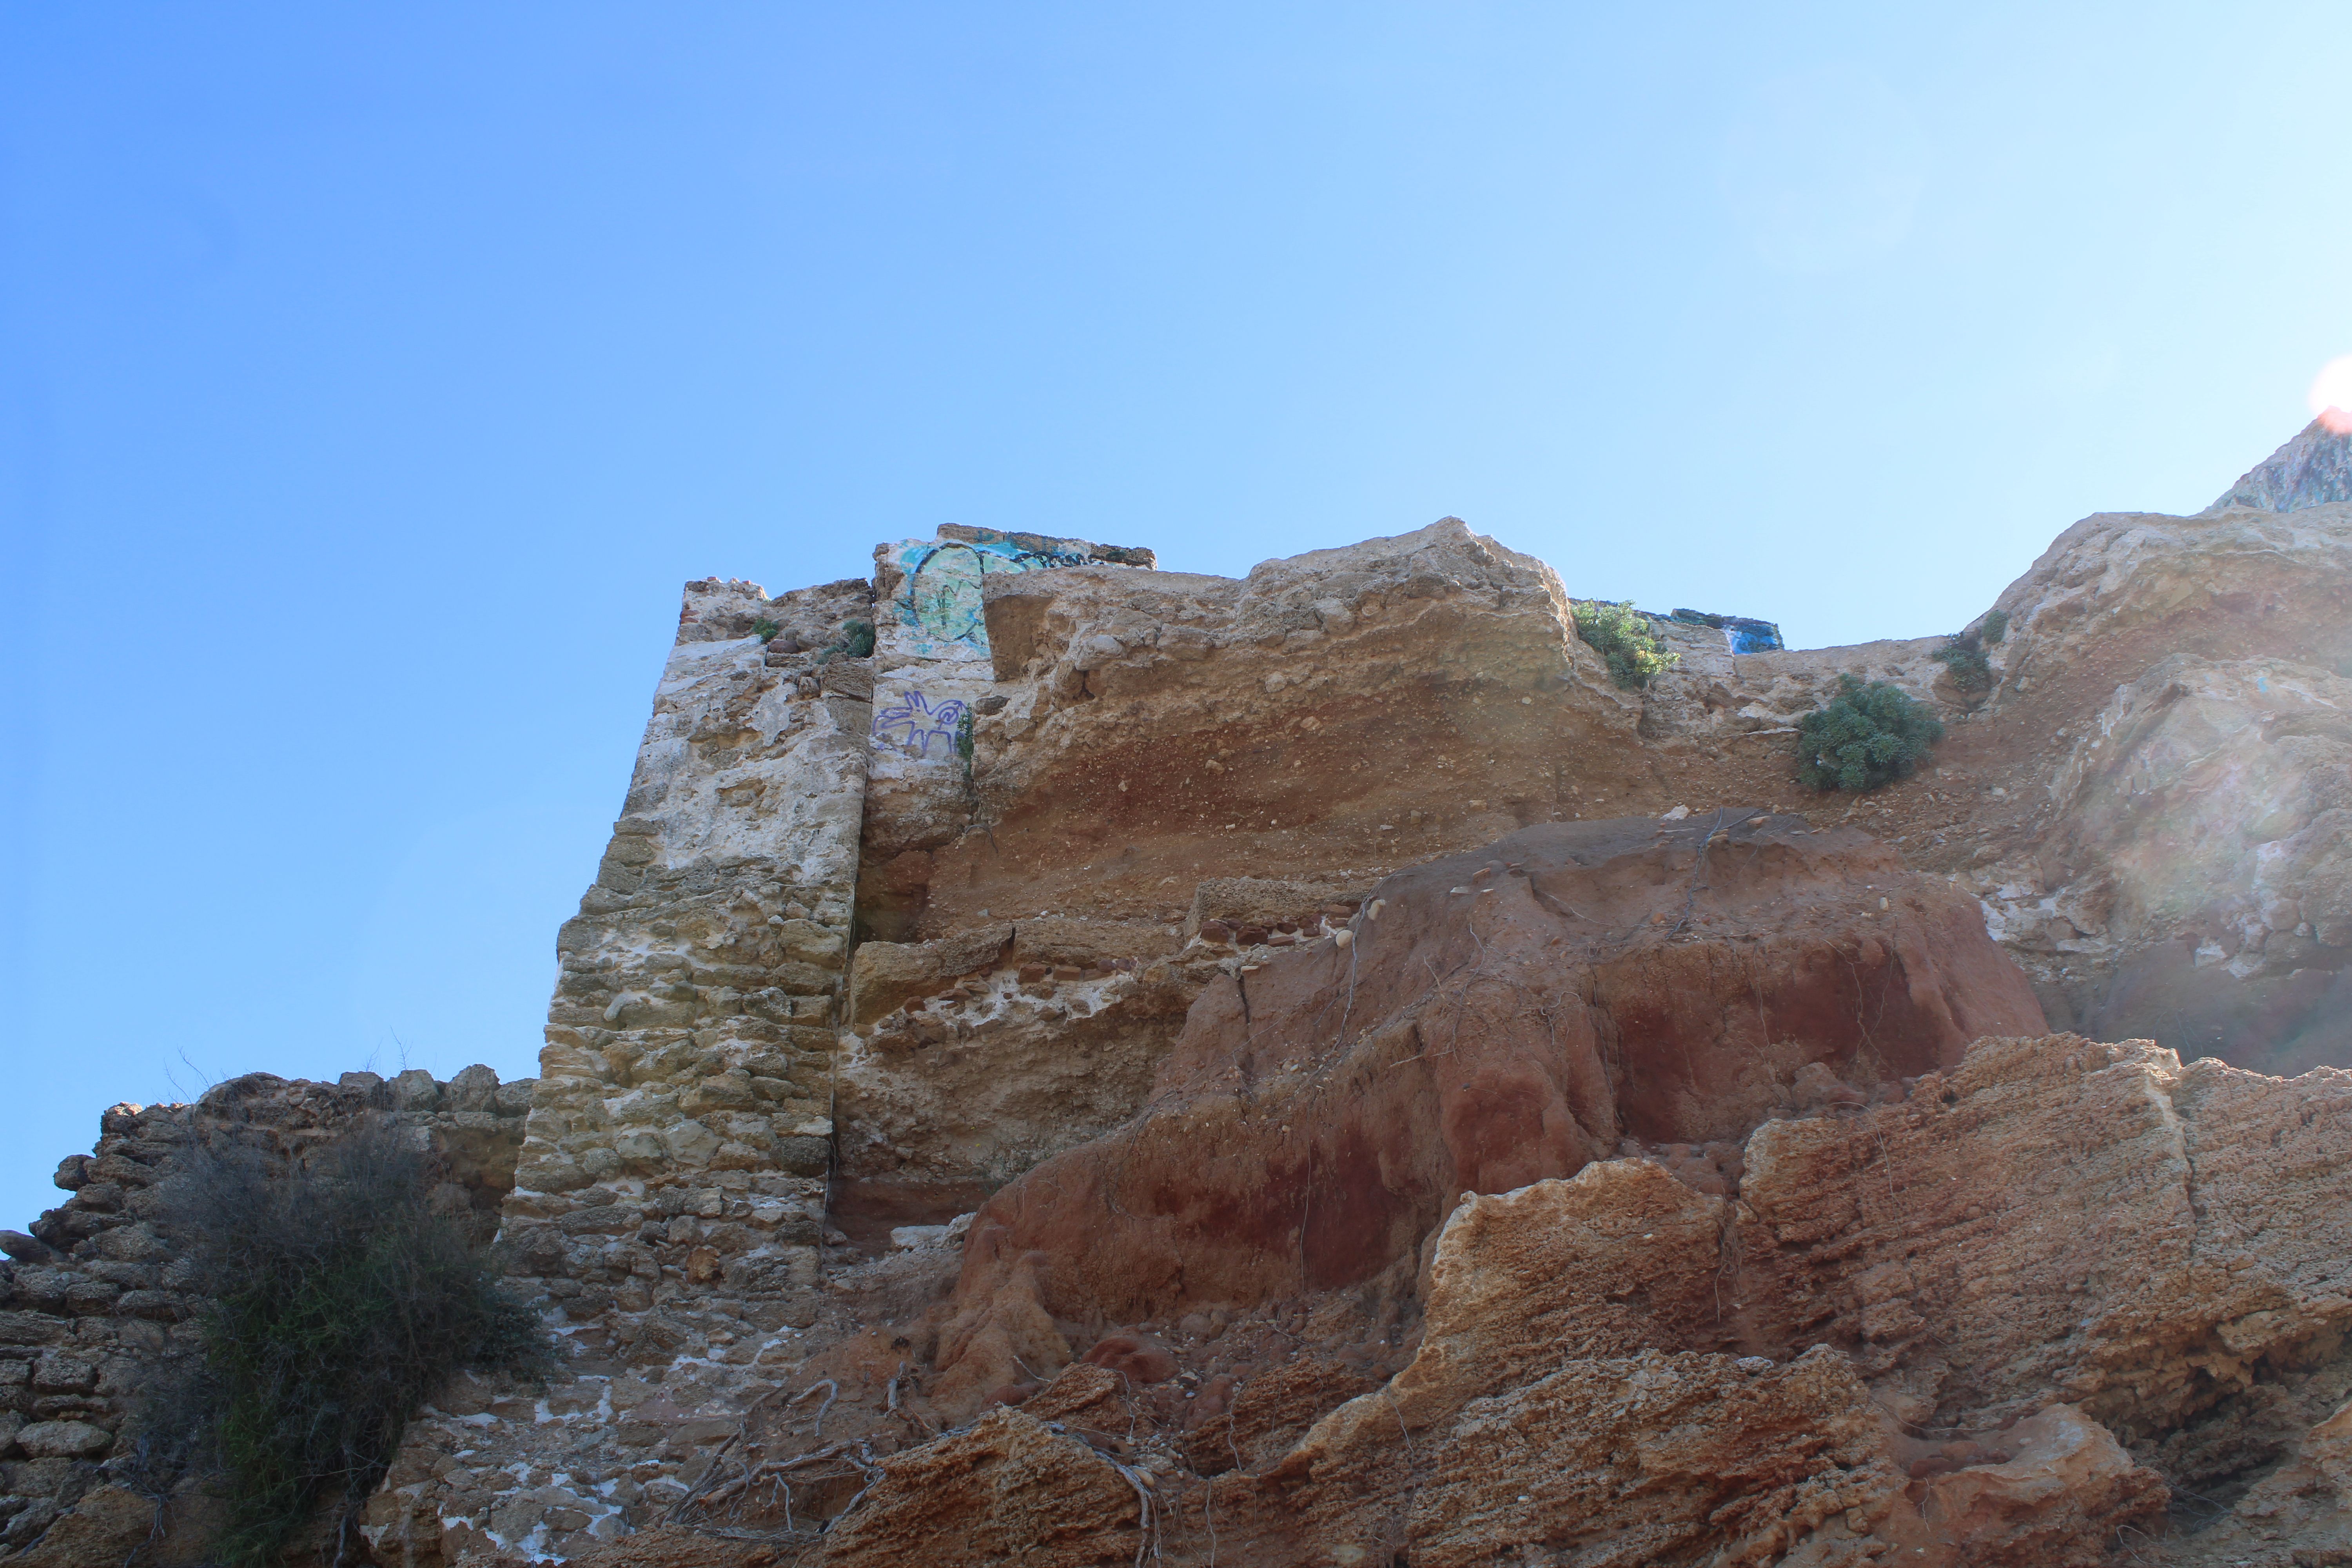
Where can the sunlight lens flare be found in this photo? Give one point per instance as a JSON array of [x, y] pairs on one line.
[[2331, 395]]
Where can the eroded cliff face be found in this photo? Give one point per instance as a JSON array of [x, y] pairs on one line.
[[2170, 863], [1301, 1068], [1485, 1021]]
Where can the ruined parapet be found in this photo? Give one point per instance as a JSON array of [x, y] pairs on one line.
[[100, 1292]]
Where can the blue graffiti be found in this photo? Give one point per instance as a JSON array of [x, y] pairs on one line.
[[941, 597], [1741, 634], [911, 723]]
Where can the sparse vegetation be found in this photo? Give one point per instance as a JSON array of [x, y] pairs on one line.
[[1996, 627], [764, 628], [1866, 736], [1622, 635], [857, 642], [340, 1298], [1964, 656]]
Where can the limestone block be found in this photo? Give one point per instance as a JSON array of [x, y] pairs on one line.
[[416, 1090], [642, 1106], [473, 1088], [640, 1147], [63, 1440], [885, 974], [689, 1142], [43, 1290], [802, 1156], [161, 1306], [556, 1175], [60, 1372], [92, 1298], [808, 942], [716, 1093], [605, 1219], [848, 678]]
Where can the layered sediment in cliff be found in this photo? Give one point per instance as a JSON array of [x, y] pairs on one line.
[[1484, 1021]]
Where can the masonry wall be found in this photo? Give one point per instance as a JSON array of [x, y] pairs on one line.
[[98, 1295], [670, 1206], [667, 1208]]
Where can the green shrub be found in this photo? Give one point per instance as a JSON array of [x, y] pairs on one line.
[[1964, 655], [1864, 737], [1623, 636], [1972, 671], [857, 642], [764, 628], [340, 1301]]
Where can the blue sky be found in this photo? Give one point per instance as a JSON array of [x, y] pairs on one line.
[[371, 377]]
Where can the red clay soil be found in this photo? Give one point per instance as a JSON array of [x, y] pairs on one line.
[[1496, 1019]]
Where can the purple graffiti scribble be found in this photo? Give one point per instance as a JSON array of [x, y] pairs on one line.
[[911, 723]]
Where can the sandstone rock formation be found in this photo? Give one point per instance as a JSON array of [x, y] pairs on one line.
[[2188, 672], [1491, 1020], [2313, 469], [1302, 1068]]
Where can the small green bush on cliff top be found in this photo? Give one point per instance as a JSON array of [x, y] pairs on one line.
[[1965, 657], [340, 1298], [857, 642], [1623, 636], [1864, 737]]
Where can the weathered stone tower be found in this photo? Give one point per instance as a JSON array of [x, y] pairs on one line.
[[671, 1193]]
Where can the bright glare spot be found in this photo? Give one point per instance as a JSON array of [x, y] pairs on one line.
[[2331, 395]]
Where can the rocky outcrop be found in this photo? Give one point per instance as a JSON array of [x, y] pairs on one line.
[[2171, 690], [1855, 1353], [2313, 469], [2229, 925], [1344, 709], [1303, 1068], [1485, 1022]]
